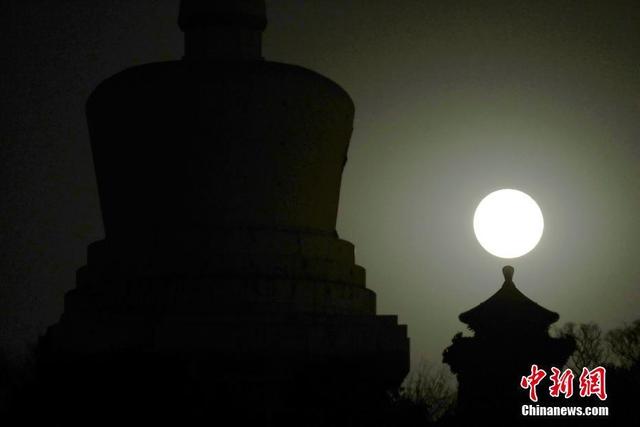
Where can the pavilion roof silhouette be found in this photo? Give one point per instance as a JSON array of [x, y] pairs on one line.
[[509, 308]]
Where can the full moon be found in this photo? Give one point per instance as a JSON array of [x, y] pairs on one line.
[[508, 223]]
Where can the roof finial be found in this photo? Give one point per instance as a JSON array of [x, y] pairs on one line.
[[507, 271]]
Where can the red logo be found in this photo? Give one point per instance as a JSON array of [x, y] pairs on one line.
[[562, 383], [592, 382], [532, 381]]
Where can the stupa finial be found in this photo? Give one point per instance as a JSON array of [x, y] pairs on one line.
[[223, 29]]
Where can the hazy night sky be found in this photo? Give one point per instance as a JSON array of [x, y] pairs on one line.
[[453, 100]]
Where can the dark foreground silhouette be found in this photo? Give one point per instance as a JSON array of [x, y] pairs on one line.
[[156, 393], [511, 334], [222, 294], [221, 289]]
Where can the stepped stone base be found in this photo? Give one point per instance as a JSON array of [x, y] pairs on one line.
[[265, 349]]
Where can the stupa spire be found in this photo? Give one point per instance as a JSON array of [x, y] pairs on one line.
[[223, 29]]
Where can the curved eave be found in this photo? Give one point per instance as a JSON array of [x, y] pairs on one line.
[[508, 305]]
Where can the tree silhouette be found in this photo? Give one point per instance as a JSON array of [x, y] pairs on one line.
[[591, 348], [624, 344], [431, 387]]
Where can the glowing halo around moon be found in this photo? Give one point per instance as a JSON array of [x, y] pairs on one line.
[[508, 223]]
